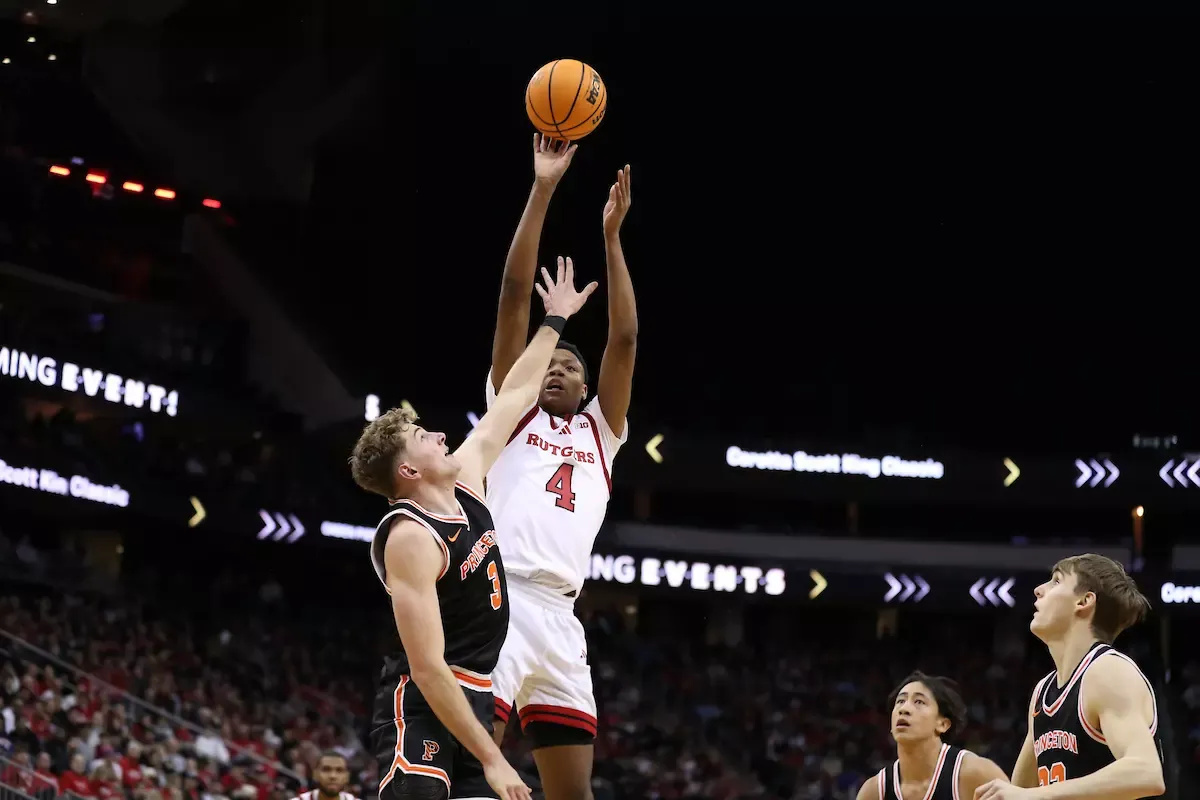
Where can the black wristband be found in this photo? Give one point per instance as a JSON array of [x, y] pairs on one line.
[[555, 323]]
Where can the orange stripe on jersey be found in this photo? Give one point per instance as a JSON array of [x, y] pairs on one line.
[[472, 680], [400, 762], [461, 517], [469, 491], [599, 449]]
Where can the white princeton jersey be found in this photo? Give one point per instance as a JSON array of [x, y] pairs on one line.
[[548, 493]]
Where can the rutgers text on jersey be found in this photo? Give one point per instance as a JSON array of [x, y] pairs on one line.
[[548, 493]]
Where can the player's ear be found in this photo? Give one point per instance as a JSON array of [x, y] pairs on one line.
[[407, 471], [941, 726], [1086, 600]]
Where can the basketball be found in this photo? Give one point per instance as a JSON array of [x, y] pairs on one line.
[[566, 99]]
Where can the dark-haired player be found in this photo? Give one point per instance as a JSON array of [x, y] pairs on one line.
[[1093, 722], [549, 493], [332, 774], [437, 556], [927, 709]]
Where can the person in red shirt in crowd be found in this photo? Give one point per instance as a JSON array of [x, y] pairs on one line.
[[19, 773], [74, 779], [105, 785], [131, 768], [43, 774]]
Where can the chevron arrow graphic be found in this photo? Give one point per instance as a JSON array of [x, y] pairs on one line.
[[1179, 472], [1084, 473], [975, 593], [1113, 473], [990, 592], [284, 528], [1165, 473], [922, 589], [1099, 476], [268, 524], [297, 529], [819, 584], [895, 587], [909, 587], [1014, 472], [1003, 592], [1191, 473]]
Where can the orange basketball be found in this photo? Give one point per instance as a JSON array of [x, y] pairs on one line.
[[566, 99]]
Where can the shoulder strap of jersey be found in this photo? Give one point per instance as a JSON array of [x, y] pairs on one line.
[[403, 510], [466, 495], [959, 755], [882, 780], [1107, 650]]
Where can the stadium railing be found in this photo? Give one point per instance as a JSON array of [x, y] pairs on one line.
[[21, 646], [10, 792]]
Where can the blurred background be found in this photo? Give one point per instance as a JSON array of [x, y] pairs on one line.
[[230, 234]]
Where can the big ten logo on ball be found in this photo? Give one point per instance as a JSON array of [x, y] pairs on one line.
[[594, 90], [697, 574]]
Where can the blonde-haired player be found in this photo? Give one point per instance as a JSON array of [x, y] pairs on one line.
[[549, 492], [1093, 722]]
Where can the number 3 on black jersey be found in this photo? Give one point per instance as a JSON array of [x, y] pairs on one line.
[[560, 486], [1057, 773]]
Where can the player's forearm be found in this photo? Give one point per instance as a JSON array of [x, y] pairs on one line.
[[1124, 779], [442, 692], [520, 267], [526, 376], [1024, 772], [622, 306]]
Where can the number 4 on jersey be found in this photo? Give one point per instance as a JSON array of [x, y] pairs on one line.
[[559, 485]]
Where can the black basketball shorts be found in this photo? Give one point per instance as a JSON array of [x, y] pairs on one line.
[[418, 758]]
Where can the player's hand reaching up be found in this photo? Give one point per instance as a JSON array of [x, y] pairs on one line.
[[505, 781], [551, 158], [560, 296], [617, 206]]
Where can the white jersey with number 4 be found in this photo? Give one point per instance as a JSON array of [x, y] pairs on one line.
[[548, 492]]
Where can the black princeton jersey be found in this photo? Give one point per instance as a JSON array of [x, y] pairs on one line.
[[1065, 744], [472, 594], [942, 786]]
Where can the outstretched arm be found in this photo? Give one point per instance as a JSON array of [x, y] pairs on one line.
[[521, 386], [550, 161], [616, 368]]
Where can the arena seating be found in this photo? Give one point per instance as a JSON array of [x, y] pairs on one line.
[[237, 680]]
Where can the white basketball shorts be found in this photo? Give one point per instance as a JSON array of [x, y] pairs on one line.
[[543, 670]]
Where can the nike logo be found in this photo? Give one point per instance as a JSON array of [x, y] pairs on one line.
[[454, 538], [1037, 711]]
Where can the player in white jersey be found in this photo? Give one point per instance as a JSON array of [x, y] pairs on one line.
[[332, 775], [549, 492]]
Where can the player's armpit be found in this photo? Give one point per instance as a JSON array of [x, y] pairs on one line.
[[414, 561], [870, 789], [976, 771]]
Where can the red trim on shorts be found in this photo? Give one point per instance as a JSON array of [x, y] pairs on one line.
[[558, 715], [503, 710], [525, 420]]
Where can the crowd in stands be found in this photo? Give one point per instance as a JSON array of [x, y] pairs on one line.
[[240, 698]]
